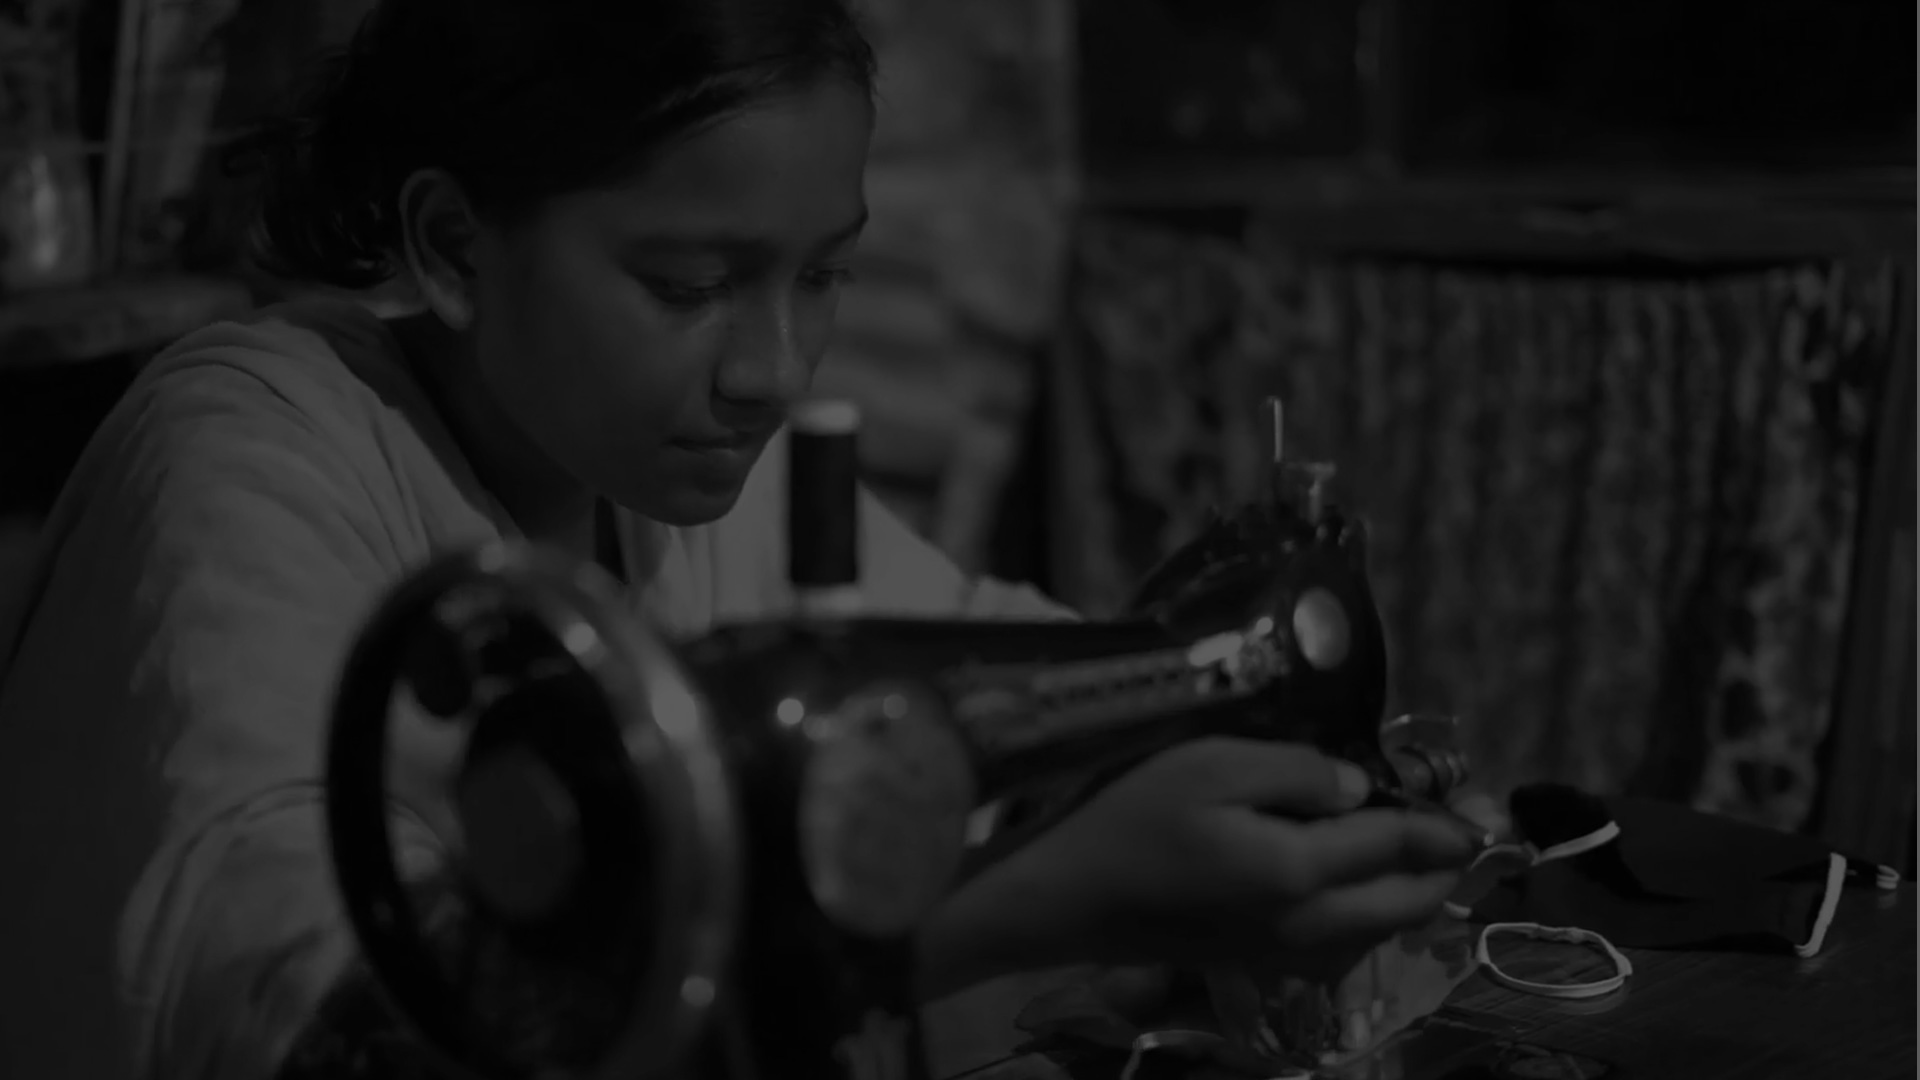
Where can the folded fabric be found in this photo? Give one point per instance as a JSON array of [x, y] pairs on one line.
[[1198, 1055], [1268, 1023], [1656, 875]]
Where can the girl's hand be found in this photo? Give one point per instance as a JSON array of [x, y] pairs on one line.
[[1217, 850], [1484, 810]]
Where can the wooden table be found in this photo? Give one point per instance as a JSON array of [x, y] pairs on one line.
[[1847, 1012]]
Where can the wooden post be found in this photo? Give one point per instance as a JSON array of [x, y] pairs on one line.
[[126, 85]]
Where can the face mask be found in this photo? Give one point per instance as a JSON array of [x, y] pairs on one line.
[[1499, 863], [1600, 874], [1259, 1024], [1642, 873]]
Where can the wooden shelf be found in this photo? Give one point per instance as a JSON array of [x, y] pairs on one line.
[[66, 326], [1576, 217]]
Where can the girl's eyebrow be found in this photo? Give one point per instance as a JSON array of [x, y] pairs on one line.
[[669, 242]]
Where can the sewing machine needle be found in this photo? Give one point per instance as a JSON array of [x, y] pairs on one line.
[[1277, 412]]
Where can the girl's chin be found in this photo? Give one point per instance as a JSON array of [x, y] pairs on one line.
[[690, 504]]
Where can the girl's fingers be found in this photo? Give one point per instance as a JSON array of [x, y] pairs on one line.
[[1483, 810], [1288, 860], [1285, 778], [1365, 914]]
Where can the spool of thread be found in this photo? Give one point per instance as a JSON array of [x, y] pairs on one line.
[[823, 506]]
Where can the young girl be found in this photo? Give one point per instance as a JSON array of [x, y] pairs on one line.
[[626, 224]]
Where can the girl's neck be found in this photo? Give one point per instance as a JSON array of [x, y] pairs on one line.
[[547, 506]]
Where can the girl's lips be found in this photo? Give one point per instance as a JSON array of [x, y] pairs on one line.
[[745, 432], [731, 457]]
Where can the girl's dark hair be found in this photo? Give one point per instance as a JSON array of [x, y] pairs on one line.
[[519, 100]]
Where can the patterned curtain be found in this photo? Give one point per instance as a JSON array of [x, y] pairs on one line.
[[1612, 515]]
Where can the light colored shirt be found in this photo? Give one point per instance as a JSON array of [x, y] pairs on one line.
[[167, 910]]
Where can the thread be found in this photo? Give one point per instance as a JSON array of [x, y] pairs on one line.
[[823, 507]]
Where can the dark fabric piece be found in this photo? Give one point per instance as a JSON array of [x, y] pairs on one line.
[[1556, 814], [1597, 892], [1674, 878], [1677, 851]]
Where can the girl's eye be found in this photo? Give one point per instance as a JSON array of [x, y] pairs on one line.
[[683, 296], [825, 279]]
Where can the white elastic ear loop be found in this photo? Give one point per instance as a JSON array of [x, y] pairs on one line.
[[1569, 934], [1532, 856], [1524, 852], [1579, 845]]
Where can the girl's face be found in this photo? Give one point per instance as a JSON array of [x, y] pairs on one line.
[[648, 338]]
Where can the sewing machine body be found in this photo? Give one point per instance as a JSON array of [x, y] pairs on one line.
[[790, 796]]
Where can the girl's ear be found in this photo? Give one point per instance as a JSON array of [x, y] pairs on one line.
[[438, 233]]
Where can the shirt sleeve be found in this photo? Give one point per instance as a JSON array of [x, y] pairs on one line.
[[245, 552]]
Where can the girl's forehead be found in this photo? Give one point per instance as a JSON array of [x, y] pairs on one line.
[[791, 166]]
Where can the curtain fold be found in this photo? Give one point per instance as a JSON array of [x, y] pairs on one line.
[[1613, 516]]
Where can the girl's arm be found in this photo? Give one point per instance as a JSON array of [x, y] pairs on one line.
[[218, 552]]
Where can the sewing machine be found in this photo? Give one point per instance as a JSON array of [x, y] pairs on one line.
[[714, 854]]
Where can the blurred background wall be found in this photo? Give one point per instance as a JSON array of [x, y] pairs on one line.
[[1605, 312]]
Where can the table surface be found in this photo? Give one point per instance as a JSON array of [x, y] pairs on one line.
[[1849, 1011]]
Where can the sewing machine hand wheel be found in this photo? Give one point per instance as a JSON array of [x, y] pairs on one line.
[[598, 864]]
